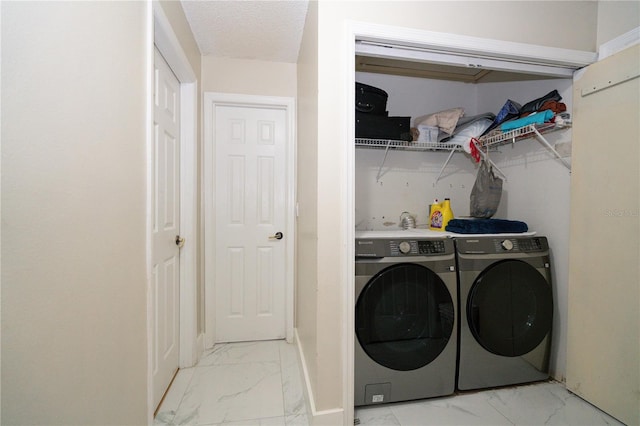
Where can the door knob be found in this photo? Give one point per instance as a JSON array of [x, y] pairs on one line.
[[179, 241], [277, 236]]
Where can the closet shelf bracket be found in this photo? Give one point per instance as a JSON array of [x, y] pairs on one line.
[[532, 130], [485, 143], [406, 146], [386, 152], [546, 142], [453, 150]]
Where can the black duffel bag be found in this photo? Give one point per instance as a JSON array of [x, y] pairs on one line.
[[535, 104], [379, 127], [371, 100]]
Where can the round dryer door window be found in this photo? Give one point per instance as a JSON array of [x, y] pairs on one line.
[[510, 308], [404, 317]]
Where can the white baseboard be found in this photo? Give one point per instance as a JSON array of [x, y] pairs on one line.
[[328, 417], [331, 417]]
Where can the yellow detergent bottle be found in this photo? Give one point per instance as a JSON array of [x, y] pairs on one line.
[[435, 216], [447, 213], [440, 215]]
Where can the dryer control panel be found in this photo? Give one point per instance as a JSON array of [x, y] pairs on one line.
[[492, 245]]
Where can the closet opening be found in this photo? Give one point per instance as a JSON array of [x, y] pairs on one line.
[[425, 72]]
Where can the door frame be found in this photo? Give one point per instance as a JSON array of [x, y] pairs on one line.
[[211, 101], [161, 35], [429, 46]]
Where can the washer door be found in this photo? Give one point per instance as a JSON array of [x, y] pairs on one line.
[[404, 317], [510, 308]]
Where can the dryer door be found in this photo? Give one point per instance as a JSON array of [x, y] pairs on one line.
[[404, 317], [510, 308]]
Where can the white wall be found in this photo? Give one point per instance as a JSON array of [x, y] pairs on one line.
[[249, 77], [408, 181], [306, 232], [616, 18], [73, 213]]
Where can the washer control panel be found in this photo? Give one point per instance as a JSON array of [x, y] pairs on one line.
[[416, 248]]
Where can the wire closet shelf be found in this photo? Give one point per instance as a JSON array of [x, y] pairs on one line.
[[493, 139]]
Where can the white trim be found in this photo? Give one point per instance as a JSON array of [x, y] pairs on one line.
[[348, 230], [149, 59], [440, 43], [466, 61], [619, 43], [470, 46], [0, 210], [161, 35], [208, 174], [211, 100], [188, 224], [170, 47]]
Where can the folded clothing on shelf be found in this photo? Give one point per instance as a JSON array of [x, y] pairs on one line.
[[486, 226], [468, 128], [535, 118], [444, 120]]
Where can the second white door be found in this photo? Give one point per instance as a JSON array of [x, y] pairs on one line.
[[166, 226], [250, 193]]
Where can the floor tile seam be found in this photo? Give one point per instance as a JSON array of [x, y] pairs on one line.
[[507, 418], [273, 361], [200, 370], [284, 399], [258, 419], [400, 405], [295, 365], [397, 421]]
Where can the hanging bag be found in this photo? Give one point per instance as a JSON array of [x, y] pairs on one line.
[[486, 193]]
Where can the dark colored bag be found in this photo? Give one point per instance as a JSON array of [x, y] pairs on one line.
[[509, 110], [486, 193], [380, 127], [535, 104], [371, 100]]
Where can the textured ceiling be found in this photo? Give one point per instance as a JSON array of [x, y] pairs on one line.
[[263, 30]]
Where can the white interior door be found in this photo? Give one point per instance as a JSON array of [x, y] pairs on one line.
[[166, 221], [250, 193]]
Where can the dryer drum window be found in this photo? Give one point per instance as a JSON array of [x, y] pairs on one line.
[[404, 317], [510, 308]]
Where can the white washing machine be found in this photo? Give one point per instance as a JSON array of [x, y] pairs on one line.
[[506, 311], [406, 327]]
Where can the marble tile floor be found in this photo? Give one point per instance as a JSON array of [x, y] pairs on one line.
[[249, 383], [545, 403], [260, 384]]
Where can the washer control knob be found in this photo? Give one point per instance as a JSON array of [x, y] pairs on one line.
[[404, 247], [507, 245]]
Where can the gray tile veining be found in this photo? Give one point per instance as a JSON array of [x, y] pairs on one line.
[[249, 383], [260, 384], [546, 403]]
